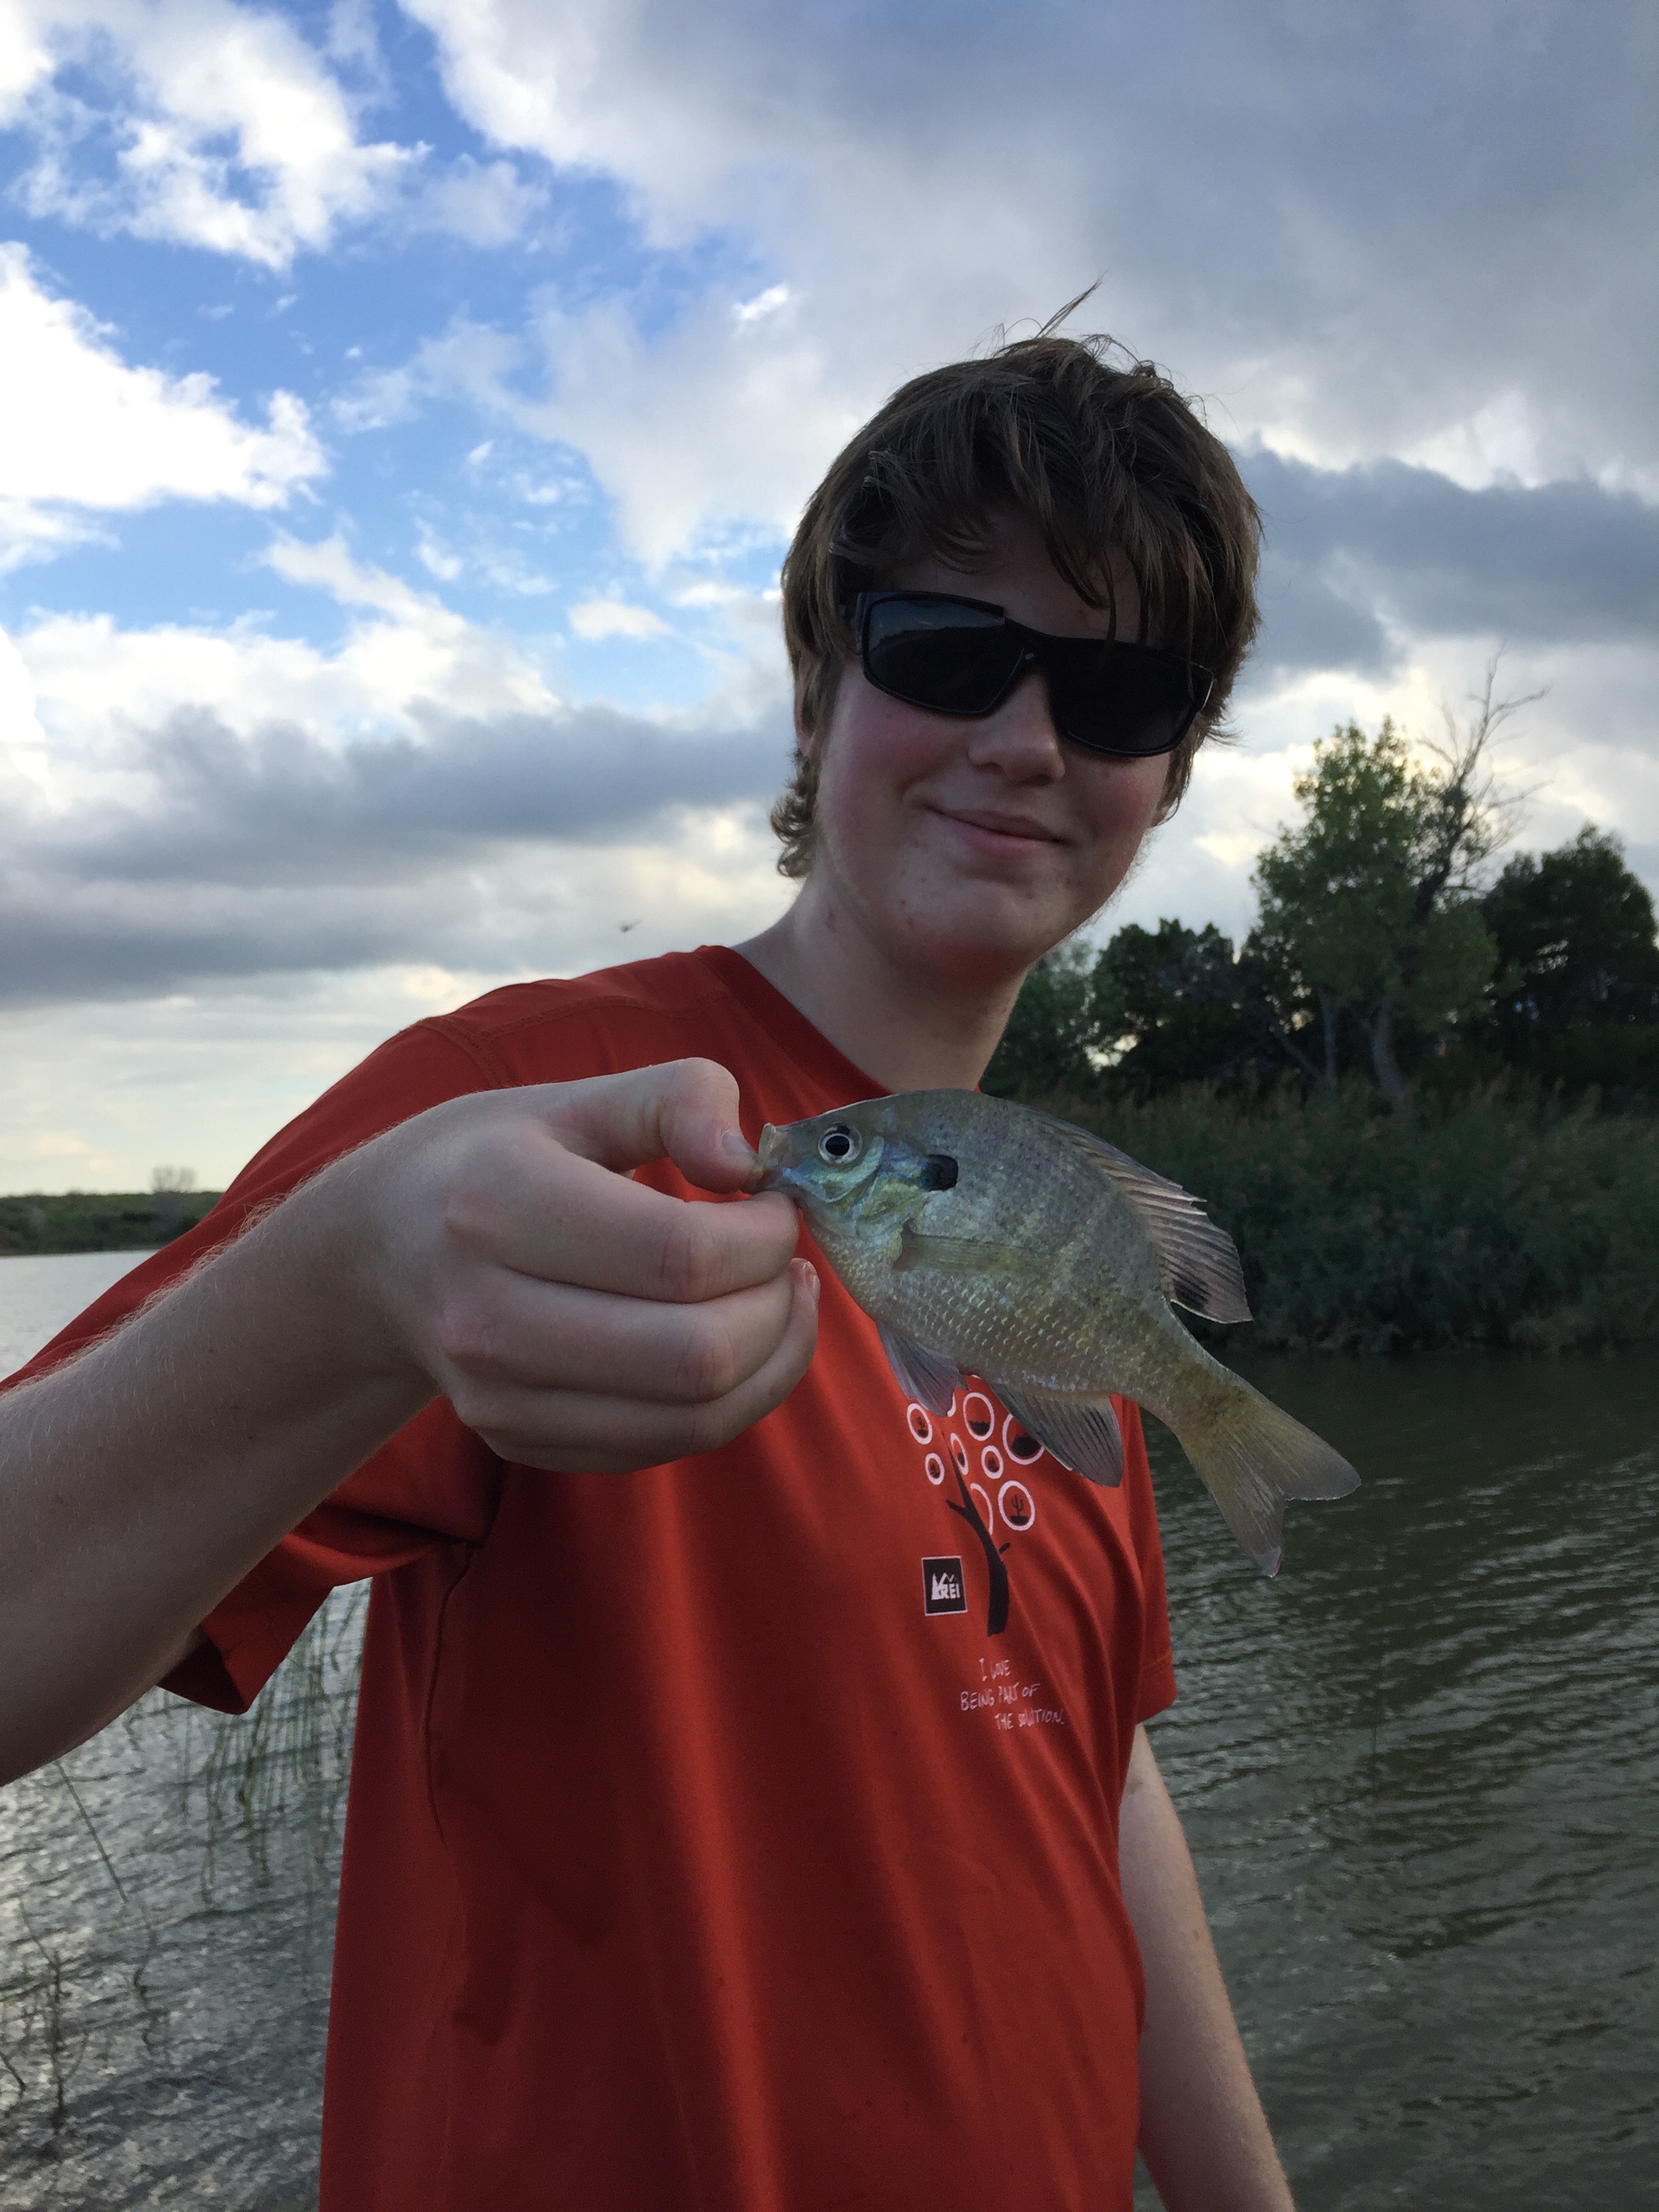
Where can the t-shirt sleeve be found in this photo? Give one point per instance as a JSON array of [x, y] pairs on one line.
[[1157, 1679], [435, 1484], [432, 1484]]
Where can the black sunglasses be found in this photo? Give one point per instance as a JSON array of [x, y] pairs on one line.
[[964, 656]]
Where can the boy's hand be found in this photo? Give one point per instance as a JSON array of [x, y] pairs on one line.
[[494, 1249], [576, 1319]]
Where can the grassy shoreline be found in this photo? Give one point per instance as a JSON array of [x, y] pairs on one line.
[[1499, 1219], [35, 1225]]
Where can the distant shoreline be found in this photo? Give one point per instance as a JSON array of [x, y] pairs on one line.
[[36, 1225]]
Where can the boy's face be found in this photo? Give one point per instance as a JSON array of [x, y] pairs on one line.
[[971, 847]]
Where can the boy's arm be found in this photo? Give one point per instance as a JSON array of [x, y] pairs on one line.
[[1203, 2134], [493, 1250]]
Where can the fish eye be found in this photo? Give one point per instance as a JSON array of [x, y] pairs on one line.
[[840, 1144]]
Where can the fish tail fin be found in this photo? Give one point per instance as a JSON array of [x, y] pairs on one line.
[[1253, 1457]]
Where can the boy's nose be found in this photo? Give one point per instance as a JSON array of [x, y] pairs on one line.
[[1019, 739]]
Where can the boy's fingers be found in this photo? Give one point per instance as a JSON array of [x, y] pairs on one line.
[[685, 1110], [554, 1198], [516, 1331], [564, 1219], [578, 1431]]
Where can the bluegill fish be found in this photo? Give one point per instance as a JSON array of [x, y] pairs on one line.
[[986, 1238]]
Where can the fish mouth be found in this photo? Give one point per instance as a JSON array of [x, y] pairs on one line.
[[772, 1151]]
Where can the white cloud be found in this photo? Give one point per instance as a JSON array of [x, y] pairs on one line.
[[25, 758], [1345, 272], [255, 856], [721, 428], [227, 130], [407, 654], [470, 360], [597, 619], [95, 1103], [92, 1093], [487, 203], [83, 698], [768, 303], [83, 432], [1271, 209], [436, 559], [218, 126], [183, 799]]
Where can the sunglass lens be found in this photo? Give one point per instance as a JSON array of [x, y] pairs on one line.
[[1121, 699], [952, 659]]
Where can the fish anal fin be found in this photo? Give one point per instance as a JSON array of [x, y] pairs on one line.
[[1199, 1260], [1082, 1433], [931, 1378]]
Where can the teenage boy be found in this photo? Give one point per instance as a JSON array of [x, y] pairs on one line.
[[751, 1806]]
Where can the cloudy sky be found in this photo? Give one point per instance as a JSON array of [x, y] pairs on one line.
[[403, 411]]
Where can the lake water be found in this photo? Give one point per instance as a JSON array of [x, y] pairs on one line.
[[167, 1916], [39, 1297], [1419, 1773]]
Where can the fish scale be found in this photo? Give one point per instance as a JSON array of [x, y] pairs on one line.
[[986, 1238]]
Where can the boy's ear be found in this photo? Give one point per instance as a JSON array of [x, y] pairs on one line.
[[805, 745]]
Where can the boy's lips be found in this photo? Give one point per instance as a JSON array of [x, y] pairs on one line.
[[1010, 828]]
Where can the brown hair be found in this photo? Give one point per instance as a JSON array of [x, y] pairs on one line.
[[1102, 459]]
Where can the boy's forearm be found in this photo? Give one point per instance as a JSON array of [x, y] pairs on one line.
[[1203, 2134], [141, 1480]]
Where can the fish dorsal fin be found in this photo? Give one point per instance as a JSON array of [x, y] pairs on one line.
[[1200, 1262], [1082, 1433], [931, 1378]]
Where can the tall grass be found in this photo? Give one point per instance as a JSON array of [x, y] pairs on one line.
[[1502, 1218], [127, 1861], [281, 1768]]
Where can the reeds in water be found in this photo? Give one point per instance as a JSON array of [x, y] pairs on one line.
[[280, 1769], [136, 1872]]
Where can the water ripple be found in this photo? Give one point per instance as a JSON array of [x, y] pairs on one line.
[[1419, 1775]]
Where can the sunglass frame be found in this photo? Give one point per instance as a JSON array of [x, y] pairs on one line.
[[1039, 649]]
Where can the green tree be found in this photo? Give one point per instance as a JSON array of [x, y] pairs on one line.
[[1175, 1006], [1575, 935], [1369, 904], [1052, 1030]]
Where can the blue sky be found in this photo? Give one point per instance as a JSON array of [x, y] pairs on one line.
[[406, 410]]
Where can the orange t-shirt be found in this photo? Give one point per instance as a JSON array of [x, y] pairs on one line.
[[740, 1834]]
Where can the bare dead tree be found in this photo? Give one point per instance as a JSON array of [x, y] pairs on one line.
[[1476, 816]]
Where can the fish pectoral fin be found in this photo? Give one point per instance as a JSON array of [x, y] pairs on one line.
[[965, 1254], [1199, 1261], [931, 1378], [1082, 1433]]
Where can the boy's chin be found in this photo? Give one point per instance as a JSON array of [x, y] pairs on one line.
[[987, 947]]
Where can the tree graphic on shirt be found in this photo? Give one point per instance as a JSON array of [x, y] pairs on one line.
[[996, 1612]]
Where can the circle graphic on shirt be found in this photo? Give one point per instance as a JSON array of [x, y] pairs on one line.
[[1015, 1503], [978, 1549], [977, 1414], [1021, 1448]]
